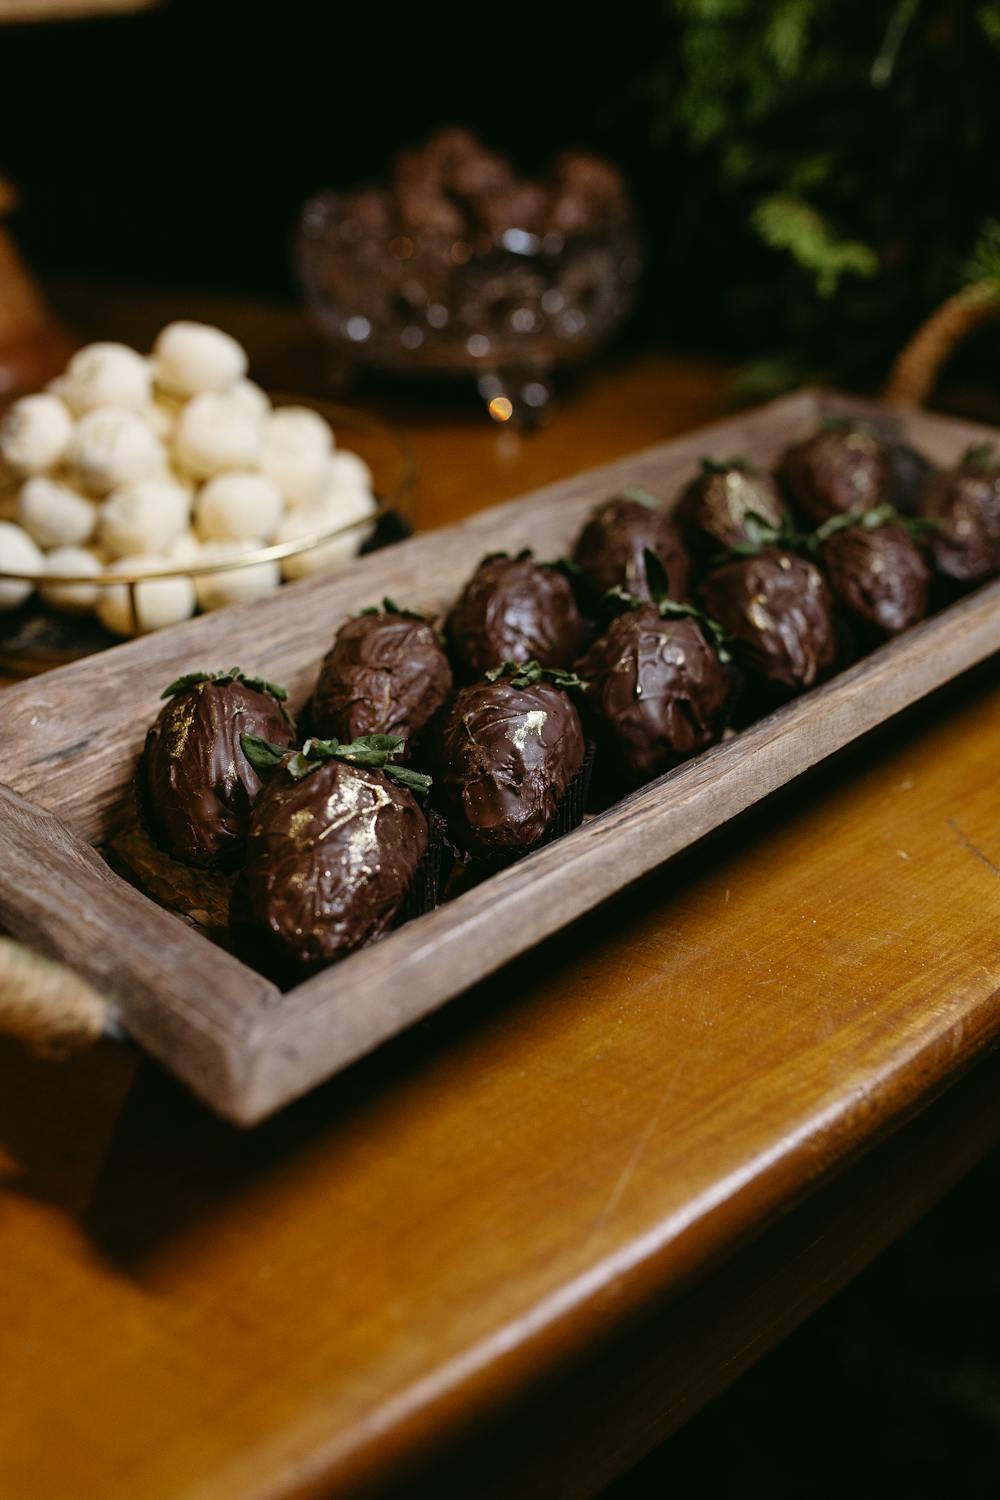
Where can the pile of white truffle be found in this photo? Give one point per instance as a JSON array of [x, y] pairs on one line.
[[129, 463]]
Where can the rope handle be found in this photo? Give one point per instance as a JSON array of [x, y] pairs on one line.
[[918, 365], [46, 1006]]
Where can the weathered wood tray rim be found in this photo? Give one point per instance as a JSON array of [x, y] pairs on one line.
[[67, 744]]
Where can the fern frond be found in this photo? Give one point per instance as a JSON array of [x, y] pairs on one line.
[[786, 222]]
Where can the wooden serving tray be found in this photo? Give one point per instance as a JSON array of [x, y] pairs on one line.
[[69, 742]]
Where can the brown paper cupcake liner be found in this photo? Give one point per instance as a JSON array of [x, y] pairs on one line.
[[569, 815], [428, 880]]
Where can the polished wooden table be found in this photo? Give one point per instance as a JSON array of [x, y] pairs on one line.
[[515, 1248]]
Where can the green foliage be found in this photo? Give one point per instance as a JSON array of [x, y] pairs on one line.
[[983, 265], [786, 222], [844, 159]]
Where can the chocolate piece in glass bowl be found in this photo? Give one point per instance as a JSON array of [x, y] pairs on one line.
[[588, 194], [777, 611], [509, 750], [196, 786], [514, 609], [610, 551], [386, 673], [845, 466], [964, 505], [719, 507], [659, 687], [877, 570], [336, 838]]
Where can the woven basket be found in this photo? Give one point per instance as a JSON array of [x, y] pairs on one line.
[[917, 367]]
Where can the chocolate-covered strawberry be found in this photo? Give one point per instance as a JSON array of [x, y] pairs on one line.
[[657, 686], [196, 785], [964, 504], [386, 673], [723, 505], [843, 467], [514, 609], [777, 610], [335, 839], [610, 551], [876, 569], [509, 749]]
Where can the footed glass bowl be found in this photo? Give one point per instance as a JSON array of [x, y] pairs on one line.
[[507, 311]]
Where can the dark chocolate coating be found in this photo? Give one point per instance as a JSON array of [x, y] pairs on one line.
[[478, 174], [657, 690], [330, 859], [610, 549], [836, 470], [520, 206], [779, 613], [713, 509], [197, 786], [506, 757], [879, 577], [966, 501], [591, 175], [384, 674], [512, 609], [589, 194], [451, 144], [910, 472]]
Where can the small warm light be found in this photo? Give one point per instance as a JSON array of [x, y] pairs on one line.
[[501, 408], [401, 247]]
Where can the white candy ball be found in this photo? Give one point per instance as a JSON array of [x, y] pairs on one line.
[[186, 549], [75, 597], [232, 506], [158, 602], [236, 585], [331, 555], [301, 477], [144, 517], [18, 554], [162, 414], [297, 429], [35, 434], [192, 357], [346, 471], [252, 398], [107, 375], [54, 514], [215, 434], [112, 447]]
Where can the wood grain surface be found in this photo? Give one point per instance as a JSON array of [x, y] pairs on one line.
[[306, 1310], [175, 990], [522, 1241]]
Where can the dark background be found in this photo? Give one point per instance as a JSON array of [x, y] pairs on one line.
[[891, 1389], [178, 146]]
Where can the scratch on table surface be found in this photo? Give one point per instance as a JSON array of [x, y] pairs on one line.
[[967, 843], [635, 1156]]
